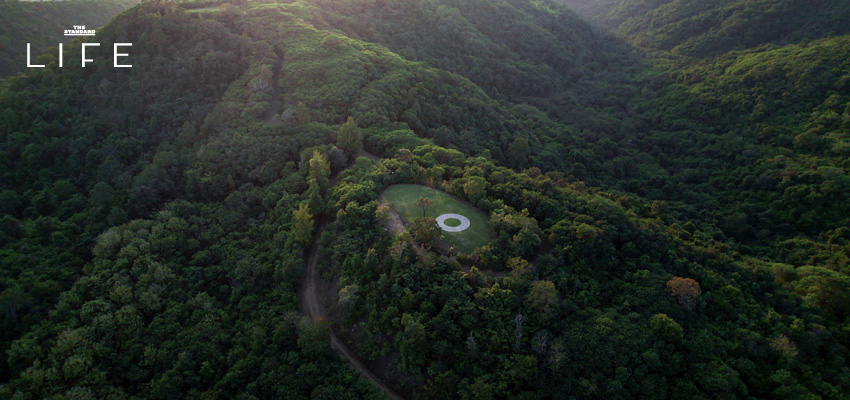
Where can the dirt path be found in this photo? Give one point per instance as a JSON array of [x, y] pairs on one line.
[[395, 224], [370, 156], [309, 304]]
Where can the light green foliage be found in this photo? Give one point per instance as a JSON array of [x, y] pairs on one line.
[[349, 137], [320, 169], [665, 328], [302, 228], [475, 188]]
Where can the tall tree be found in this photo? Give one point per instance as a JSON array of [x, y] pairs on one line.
[[475, 188], [320, 169], [303, 226], [543, 296], [424, 202], [350, 138], [685, 291]]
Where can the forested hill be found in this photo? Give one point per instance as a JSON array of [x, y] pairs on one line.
[[42, 24], [656, 231], [750, 128], [206, 140], [698, 28], [536, 53]]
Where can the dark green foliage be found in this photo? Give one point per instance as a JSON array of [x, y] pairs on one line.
[[190, 297], [698, 28], [154, 221], [179, 304], [595, 314]]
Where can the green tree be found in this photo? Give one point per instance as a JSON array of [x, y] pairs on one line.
[[685, 291], [824, 288], [412, 344], [426, 231], [320, 169], [313, 197], [519, 267], [543, 296], [349, 137], [302, 229], [666, 329], [11, 300], [382, 213], [475, 188], [424, 202], [302, 114], [314, 337], [337, 158], [518, 152]]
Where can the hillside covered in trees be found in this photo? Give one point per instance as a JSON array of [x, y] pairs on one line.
[[696, 28], [42, 25], [667, 202]]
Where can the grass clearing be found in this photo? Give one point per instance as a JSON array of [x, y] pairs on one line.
[[403, 198], [452, 222]]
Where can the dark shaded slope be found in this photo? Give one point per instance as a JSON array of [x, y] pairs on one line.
[[751, 144], [699, 29], [785, 111], [535, 53], [87, 149], [513, 48]]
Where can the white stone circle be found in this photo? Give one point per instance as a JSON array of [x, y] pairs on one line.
[[464, 223]]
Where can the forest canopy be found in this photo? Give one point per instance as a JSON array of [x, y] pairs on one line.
[[665, 203]]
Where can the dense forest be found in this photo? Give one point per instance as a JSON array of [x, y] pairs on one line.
[[665, 183], [42, 25], [695, 28]]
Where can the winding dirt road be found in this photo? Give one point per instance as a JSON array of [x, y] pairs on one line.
[[309, 304]]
